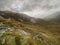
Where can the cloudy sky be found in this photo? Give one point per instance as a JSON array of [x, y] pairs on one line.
[[34, 8]]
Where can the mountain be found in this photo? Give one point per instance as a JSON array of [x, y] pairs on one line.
[[14, 16], [55, 17], [13, 31], [22, 17]]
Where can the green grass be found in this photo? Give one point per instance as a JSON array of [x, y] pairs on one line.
[[36, 34]]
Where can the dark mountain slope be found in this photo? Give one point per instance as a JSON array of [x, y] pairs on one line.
[[14, 16], [22, 17]]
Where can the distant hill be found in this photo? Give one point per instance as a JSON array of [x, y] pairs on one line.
[[55, 17]]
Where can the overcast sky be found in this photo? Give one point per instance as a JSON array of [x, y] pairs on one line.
[[35, 8]]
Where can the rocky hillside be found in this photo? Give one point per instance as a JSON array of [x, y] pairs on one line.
[[14, 32]]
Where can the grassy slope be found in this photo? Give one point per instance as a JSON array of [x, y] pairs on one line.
[[27, 34]]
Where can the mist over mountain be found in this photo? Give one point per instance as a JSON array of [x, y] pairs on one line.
[[55, 17]]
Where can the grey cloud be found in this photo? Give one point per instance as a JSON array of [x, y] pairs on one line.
[[34, 7]]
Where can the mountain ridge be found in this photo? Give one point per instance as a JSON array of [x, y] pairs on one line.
[[23, 18]]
